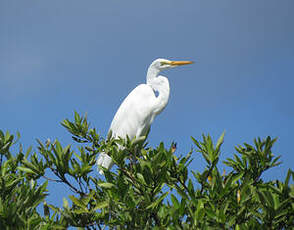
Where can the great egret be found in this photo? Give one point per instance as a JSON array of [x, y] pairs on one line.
[[141, 106]]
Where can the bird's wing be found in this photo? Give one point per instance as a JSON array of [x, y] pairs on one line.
[[135, 114]]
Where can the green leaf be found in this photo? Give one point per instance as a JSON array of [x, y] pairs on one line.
[[141, 178], [105, 185], [220, 141], [288, 177], [175, 201], [78, 202], [24, 169], [237, 177], [102, 205], [157, 202], [65, 203]]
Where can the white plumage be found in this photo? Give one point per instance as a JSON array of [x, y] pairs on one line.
[[141, 106]]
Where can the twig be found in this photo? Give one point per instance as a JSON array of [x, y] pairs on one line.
[[64, 180], [50, 179], [133, 180]]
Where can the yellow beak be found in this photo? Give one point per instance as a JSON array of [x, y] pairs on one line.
[[177, 63]]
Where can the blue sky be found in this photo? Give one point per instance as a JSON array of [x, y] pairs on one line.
[[60, 56]]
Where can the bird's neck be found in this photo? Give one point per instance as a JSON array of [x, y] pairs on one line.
[[161, 85], [152, 73]]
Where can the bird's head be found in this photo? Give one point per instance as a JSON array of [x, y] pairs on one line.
[[162, 64]]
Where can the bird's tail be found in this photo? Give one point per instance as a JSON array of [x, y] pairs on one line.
[[105, 161]]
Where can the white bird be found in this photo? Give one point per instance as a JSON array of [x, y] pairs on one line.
[[141, 106]]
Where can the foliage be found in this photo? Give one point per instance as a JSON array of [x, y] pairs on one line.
[[149, 188]]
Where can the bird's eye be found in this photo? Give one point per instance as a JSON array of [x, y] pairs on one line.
[[162, 63]]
